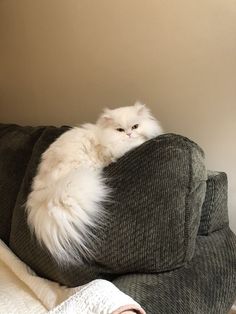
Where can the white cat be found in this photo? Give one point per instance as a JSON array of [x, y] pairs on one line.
[[65, 202]]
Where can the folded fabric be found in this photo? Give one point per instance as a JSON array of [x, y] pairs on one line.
[[99, 296], [96, 297]]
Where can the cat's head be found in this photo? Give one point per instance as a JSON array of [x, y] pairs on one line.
[[124, 128]]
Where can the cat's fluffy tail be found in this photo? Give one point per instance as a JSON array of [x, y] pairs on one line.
[[63, 216]]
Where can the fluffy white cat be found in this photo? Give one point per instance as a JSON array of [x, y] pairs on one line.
[[64, 205]]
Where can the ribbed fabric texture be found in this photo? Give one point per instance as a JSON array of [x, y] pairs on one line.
[[16, 145], [158, 190], [206, 285], [214, 214]]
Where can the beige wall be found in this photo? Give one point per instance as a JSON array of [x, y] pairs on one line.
[[61, 61]]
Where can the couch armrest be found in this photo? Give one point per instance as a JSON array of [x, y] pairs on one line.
[[214, 214]]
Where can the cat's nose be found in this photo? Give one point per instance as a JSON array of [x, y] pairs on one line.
[[129, 134]]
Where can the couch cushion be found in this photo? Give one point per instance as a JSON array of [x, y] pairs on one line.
[[158, 190], [206, 285], [16, 144]]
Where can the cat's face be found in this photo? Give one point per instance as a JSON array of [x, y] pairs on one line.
[[127, 127]]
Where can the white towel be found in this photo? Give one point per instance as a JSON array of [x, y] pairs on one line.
[[22, 291]]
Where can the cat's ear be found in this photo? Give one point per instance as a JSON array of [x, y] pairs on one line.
[[141, 108], [105, 119]]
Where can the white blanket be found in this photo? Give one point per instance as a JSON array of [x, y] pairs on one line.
[[23, 292]]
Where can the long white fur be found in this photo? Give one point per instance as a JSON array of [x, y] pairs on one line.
[[65, 204]]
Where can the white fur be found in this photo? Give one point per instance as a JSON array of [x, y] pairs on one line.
[[64, 206]]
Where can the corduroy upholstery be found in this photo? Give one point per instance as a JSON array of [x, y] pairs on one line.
[[214, 210], [206, 285], [158, 190], [16, 145], [184, 272]]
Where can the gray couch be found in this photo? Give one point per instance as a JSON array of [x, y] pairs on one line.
[[167, 244]]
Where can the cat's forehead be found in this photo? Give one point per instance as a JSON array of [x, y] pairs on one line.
[[125, 116]]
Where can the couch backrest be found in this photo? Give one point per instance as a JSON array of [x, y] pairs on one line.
[[16, 144]]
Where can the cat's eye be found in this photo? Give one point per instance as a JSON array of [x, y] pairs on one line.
[[120, 130], [135, 126]]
